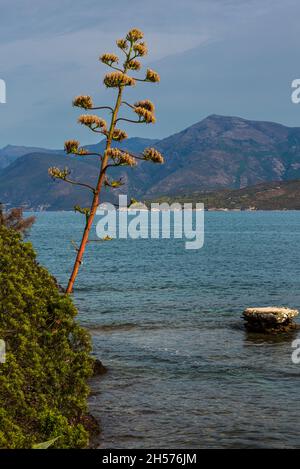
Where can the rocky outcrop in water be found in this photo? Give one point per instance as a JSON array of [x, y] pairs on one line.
[[99, 368], [270, 319]]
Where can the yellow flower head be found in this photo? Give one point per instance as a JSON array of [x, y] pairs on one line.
[[57, 173], [146, 104], [85, 102], [152, 76], [116, 79], [133, 65], [71, 146], [120, 157], [113, 152], [146, 115], [127, 160], [92, 121], [134, 35], [109, 59], [140, 49], [119, 135], [122, 44], [153, 155]]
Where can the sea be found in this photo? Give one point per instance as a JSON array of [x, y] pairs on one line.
[[167, 322]]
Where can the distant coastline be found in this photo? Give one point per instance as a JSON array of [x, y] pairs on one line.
[[274, 196]]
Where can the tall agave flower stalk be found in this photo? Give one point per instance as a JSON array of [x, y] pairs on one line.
[[133, 48]]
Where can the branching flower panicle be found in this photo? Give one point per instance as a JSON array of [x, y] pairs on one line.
[[133, 48]]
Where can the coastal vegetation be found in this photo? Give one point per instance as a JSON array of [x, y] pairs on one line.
[[43, 382], [14, 219]]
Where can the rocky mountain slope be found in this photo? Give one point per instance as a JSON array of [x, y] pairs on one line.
[[218, 152]]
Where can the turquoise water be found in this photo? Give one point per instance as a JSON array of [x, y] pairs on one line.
[[183, 373]]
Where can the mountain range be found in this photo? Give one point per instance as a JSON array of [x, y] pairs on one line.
[[216, 153]]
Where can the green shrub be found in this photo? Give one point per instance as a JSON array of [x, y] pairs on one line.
[[43, 383]]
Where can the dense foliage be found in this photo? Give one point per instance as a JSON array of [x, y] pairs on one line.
[[43, 383]]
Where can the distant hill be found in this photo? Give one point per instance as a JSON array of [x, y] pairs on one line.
[[11, 153], [218, 152], [276, 195], [26, 182], [221, 152]]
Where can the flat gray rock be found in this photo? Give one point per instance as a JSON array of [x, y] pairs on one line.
[[270, 319], [270, 313]]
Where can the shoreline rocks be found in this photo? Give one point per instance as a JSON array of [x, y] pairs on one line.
[[99, 368], [270, 319]]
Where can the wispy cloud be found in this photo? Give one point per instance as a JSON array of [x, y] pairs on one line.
[[49, 53]]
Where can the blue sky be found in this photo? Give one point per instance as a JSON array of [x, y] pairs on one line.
[[230, 57]]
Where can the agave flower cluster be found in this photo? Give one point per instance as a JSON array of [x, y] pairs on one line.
[[134, 64], [134, 35], [145, 115], [119, 135], [118, 79], [84, 102], [145, 110], [140, 49], [109, 59], [93, 122], [146, 104], [150, 154], [72, 146], [121, 158], [152, 76], [122, 44], [57, 173]]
